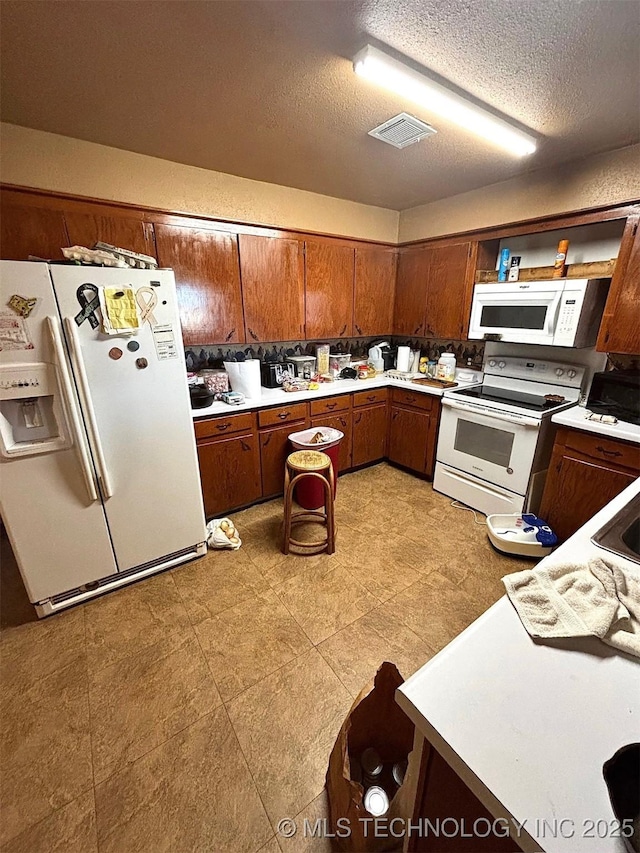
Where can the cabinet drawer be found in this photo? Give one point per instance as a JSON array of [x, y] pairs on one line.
[[282, 415], [224, 425], [329, 405], [412, 398], [615, 453], [367, 398]]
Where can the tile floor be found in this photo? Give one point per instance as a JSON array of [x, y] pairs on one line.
[[195, 709]]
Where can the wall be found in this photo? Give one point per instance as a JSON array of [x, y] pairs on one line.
[[51, 162], [609, 178]]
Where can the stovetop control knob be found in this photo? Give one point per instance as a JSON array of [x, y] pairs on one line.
[[492, 362], [571, 374], [559, 371], [502, 365]]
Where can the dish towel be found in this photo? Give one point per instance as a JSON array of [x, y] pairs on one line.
[[585, 596]]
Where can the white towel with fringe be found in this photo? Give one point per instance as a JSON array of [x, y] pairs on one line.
[[586, 595]]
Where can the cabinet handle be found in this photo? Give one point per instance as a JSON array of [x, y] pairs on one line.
[[245, 446], [358, 330], [371, 398], [283, 415], [344, 329], [358, 417], [266, 440], [416, 330], [608, 452], [222, 427], [409, 398], [394, 416], [331, 405], [252, 333], [343, 422], [230, 335]]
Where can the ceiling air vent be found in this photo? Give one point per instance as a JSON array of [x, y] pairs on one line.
[[402, 130]]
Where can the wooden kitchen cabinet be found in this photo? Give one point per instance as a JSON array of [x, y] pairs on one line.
[[29, 230], [272, 271], [329, 271], [343, 422], [374, 290], [411, 292], [433, 291], [369, 434], [275, 445], [413, 430], [131, 233], [586, 472], [620, 329], [207, 282], [229, 471]]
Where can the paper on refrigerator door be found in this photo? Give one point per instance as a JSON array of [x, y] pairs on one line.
[[119, 310], [165, 342]]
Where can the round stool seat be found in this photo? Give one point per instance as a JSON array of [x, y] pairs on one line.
[[308, 460]]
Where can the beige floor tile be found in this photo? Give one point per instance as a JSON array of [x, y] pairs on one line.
[[249, 641], [194, 792], [271, 846], [31, 651], [220, 580], [124, 622], [323, 600], [356, 652], [384, 566], [45, 749], [435, 609], [312, 829], [287, 725], [70, 829], [141, 701]]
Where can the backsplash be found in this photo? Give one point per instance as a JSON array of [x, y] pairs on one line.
[[199, 358]]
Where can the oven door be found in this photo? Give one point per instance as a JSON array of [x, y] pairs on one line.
[[523, 313], [498, 447]]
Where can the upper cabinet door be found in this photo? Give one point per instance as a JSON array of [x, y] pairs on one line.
[[411, 291], [375, 286], [329, 271], [28, 230], [207, 280], [447, 309], [620, 329], [272, 271], [85, 229]]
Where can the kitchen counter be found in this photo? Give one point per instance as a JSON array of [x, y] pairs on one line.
[[575, 418], [528, 725], [278, 397]]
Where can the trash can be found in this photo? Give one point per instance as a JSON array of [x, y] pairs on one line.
[[309, 492]]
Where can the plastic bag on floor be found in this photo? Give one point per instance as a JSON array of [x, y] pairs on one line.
[[222, 533]]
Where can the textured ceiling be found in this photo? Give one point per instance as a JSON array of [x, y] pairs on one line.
[[266, 90]]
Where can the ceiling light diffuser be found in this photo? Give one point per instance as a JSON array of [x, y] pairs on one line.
[[397, 77]]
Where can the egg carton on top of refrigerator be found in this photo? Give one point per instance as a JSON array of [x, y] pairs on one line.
[[132, 259]]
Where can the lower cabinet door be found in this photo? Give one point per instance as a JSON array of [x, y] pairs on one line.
[[341, 422], [230, 473], [576, 490], [274, 449], [369, 434], [408, 438]]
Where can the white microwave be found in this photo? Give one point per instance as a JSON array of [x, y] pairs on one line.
[[561, 313]]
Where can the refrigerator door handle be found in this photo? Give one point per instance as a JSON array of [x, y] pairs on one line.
[[70, 405], [76, 357]]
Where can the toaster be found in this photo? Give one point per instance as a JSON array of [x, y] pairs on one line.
[[271, 374]]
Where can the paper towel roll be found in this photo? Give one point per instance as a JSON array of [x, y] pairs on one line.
[[402, 362], [244, 376]]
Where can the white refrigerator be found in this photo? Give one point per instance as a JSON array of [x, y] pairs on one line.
[[99, 478]]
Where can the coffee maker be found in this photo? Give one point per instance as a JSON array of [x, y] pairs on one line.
[[383, 352]]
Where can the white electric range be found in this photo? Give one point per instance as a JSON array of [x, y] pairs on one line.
[[495, 439]]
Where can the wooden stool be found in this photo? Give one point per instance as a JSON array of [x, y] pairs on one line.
[[309, 463]]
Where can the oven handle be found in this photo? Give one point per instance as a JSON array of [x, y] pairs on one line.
[[473, 410]]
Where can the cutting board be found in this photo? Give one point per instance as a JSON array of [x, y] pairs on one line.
[[434, 383]]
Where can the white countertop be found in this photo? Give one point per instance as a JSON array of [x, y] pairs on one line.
[[278, 397], [528, 725], [575, 417]]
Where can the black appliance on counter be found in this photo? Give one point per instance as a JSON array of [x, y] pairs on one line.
[[271, 374], [617, 393]]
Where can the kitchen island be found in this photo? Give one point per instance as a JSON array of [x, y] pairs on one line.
[[527, 725]]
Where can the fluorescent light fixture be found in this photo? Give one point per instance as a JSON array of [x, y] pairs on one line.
[[399, 78]]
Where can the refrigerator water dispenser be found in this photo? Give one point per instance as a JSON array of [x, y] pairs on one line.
[[31, 418]]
